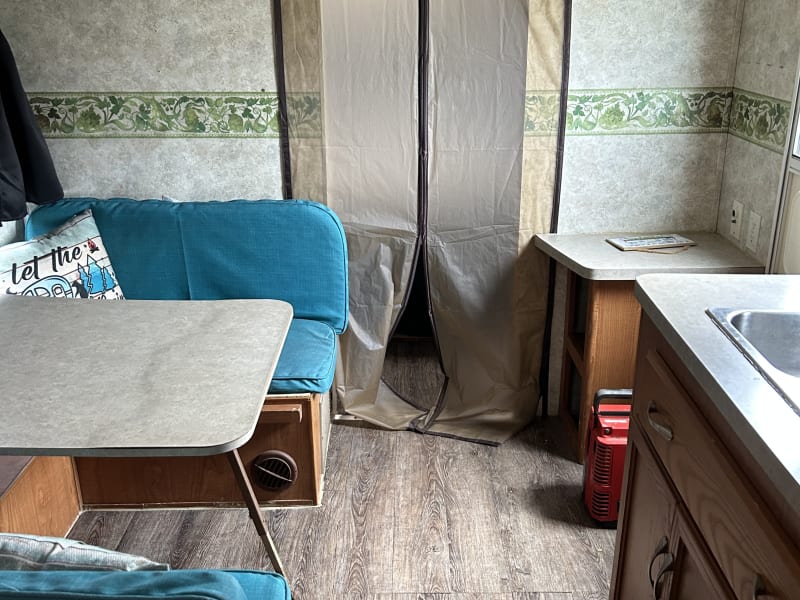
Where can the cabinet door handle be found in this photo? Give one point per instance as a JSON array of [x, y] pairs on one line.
[[662, 430], [759, 589], [665, 568], [660, 549]]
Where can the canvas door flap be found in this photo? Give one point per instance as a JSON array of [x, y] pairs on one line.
[[492, 114], [370, 96], [479, 75], [379, 268]]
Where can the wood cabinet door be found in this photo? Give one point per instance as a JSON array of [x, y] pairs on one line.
[[694, 573], [648, 509]]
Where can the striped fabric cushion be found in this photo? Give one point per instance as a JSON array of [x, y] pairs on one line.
[[21, 552]]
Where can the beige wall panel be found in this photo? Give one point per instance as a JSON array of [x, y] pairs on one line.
[[545, 32], [148, 45], [635, 44], [308, 169], [184, 169], [753, 177], [769, 47], [302, 45], [644, 183]]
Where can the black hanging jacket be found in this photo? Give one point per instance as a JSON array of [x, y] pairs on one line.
[[27, 173]]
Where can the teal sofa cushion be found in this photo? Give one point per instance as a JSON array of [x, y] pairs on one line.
[[145, 238], [292, 250], [308, 359], [140, 585]]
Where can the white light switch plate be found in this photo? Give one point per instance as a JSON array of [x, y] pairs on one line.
[[753, 227]]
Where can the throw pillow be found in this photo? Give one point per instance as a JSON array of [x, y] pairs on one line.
[[21, 552], [69, 262]]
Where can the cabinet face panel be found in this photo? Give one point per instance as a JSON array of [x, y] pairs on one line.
[[742, 534], [648, 511]]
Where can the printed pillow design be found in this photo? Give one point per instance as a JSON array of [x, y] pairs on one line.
[[69, 262]]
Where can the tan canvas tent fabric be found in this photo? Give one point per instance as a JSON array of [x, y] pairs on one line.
[[488, 148]]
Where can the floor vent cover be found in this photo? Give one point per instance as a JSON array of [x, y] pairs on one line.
[[273, 470]]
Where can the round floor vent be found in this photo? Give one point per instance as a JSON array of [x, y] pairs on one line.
[[273, 470]]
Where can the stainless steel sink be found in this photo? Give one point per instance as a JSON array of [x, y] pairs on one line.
[[770, 340]]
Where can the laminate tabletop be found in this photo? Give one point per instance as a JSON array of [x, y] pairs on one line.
[[592, 257], [134, 377]]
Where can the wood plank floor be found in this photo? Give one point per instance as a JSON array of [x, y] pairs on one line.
[[404, 517]]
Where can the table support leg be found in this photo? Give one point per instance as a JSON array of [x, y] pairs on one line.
[[254, 509]]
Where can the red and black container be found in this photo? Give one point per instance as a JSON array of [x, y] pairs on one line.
[[605, 463]]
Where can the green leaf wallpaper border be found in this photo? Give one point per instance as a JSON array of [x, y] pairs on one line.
[[638, 111], [761, 120], [173, 114]]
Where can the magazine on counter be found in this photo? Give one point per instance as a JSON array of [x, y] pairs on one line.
[[648, 242]]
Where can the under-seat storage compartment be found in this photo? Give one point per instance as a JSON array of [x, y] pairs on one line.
[[286, 447]]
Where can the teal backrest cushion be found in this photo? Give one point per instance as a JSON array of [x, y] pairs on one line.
[[292, 250]]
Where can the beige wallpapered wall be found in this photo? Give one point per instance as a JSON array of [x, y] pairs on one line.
[[644, 151], [152, 98], [666, 159], [766, 68]]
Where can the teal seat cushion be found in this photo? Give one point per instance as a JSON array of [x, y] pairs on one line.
[[308, 359], [262, 585], [140, 585]]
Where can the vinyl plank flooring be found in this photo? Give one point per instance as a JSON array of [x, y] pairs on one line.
[[222, 538], [478, 562], [404, 516], [371, 513], [485, 596], [314, 544], [412, 370], [453, 596], [351, 533], [548, 535], [102, 527], [340, 452], [421, 559]]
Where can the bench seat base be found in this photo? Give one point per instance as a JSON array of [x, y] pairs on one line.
[[296, 424], [38, 495]]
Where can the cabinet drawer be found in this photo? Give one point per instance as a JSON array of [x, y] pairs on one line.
[[741, 533]]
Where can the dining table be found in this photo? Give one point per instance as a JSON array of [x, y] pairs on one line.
[[139, 378]]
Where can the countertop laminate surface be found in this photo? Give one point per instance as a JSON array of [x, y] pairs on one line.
[[768, 426], [592, 257], [135, 377]]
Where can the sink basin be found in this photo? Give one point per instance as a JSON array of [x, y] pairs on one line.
[[770, 340]]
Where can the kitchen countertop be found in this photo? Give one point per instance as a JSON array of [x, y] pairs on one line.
[[591, 257], [757, 414]]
